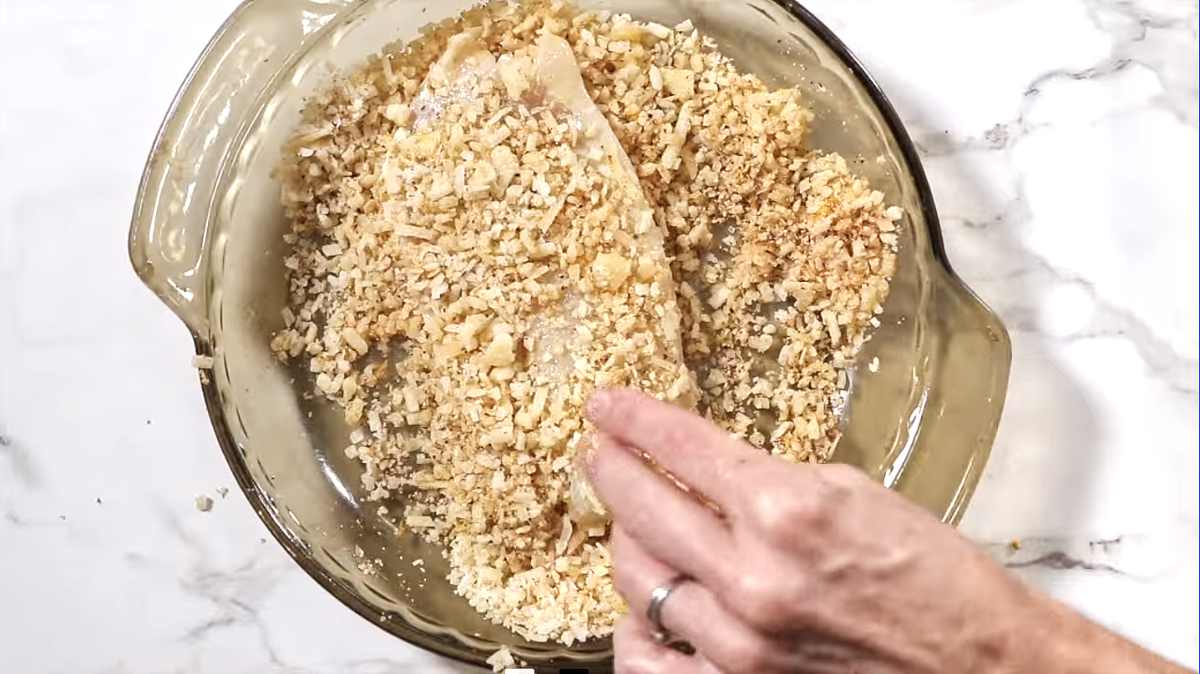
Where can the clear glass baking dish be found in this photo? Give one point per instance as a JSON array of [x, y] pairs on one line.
[[206, 238]]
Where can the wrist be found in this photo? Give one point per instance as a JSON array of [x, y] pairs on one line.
[[1059, 639]]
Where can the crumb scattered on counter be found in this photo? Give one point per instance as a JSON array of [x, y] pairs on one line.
[[204, 503]]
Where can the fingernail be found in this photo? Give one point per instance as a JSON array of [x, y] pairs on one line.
[[597, 405]]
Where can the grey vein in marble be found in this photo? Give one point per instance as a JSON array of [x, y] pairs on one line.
[[1175, 369], [20, 461], [233, 593], [1122, 556], [1132, 26]]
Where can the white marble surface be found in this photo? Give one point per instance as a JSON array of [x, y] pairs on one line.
[[1061, 140]]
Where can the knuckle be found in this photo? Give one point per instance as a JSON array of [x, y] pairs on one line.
[[758, 596], [770, 603], [783, 514]]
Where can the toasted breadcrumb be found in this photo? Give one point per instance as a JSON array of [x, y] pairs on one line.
[[203, 503], [529, 203]]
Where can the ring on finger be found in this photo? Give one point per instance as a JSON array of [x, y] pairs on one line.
[[658, 597]]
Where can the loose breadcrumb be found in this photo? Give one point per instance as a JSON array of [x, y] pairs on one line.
[[501, 660], [204, 503], [529, 203]]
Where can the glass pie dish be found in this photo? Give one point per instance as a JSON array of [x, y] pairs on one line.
[[207, 238]]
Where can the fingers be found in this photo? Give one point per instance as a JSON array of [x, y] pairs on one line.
[[691, 612], [673, 526], [637, 653], [685, 445]]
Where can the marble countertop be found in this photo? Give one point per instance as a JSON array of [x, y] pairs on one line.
[[1061, 141]]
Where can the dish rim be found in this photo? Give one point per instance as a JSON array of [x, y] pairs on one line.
[[260, 502]]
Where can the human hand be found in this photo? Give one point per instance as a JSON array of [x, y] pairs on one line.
[[803, 568]]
